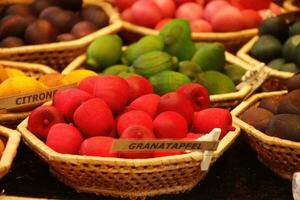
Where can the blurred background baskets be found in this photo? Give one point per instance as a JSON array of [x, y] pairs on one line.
[[289, 5]]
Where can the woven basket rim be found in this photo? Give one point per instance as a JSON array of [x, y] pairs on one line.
[[10, 151], [289, 5], [49, 155], [255, 132], [115, 24], [243, 54]]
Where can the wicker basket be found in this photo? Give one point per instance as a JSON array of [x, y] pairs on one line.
[[276, 80], [60, 54], [126, 178], [228, 100], [12, 139], [281, 156], [33, 70], [288, 5]]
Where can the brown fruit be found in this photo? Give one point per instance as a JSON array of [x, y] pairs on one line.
[[39, 32], [38, 6], [290, 103], [18, 9], [65, 37], [74, 5], [95, 15], [285, 126], [13, 25], [271, 104], [83, 28], [47, 13], [294, 82], [63, 20], [11, 42], [257, 117]]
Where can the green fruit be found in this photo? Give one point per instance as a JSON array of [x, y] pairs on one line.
[[154, 62], [289, 48], [144, 45], [199, 45], [295, 29], [116, 69], [210, 57], [216, 82], [289, 67], [235, 73], [104, 51], [275, 26], [168, 81], [266, 48], [189, 68], [177, 39], [276, 63], [127, 74]]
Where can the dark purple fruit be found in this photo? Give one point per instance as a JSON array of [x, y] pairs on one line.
[[18, 9], [63, 21], [49, 12], [13, 25], [294, 82], [65, 37], [40, 32], [95, 15], [38, 6], [83, 28], [290, 103], [285, 126], [271, 104], [74, 5], [257, 117], [11, 42]]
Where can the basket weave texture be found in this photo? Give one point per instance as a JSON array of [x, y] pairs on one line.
[[30, 69], [276, 80], [227, 100], [279, 155], [289, 5], [12, 138], [60, 54], [126, 178]]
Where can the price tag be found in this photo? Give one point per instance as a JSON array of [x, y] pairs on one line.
[[32, 98]]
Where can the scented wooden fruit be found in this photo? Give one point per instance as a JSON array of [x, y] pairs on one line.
[[147, 103]]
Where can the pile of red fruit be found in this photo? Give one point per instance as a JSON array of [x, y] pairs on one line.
[[203, 15], [85, 120]]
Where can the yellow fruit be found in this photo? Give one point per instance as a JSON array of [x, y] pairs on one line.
[[11, 72], [19, 85], [78, 75], [2, 147], [51, 80], [3, 74]]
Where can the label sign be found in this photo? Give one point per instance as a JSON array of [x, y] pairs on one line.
[[154, 145], [33, 98]]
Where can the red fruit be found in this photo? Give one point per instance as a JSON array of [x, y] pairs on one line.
[[67, 101], [127, 15], [167, 7], [166, 153], [179, 2], [42, 119], [64, 138], [146, 13], [197, 94], [138, 86], [193, 136], [114, 90], [170, 124], [190, 11], [98, 146], [237, 4], [213, 8], [228, 19], [255, 5], [147, 103], [134, 117], [276, 9], [162, 23], [137, 132], [177, 102], [124, 4], [201, 2], [88, 84], [208, 119], [94, 118], [200, 25], [251, 19]]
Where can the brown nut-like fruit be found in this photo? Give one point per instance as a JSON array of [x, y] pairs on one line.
[[49, 12], [40, 32], [74, 5], [11, 42], [65, 37], [63, 21], [13, 25], [83, 28], [38, 6], [18, 9], [95, 15]]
